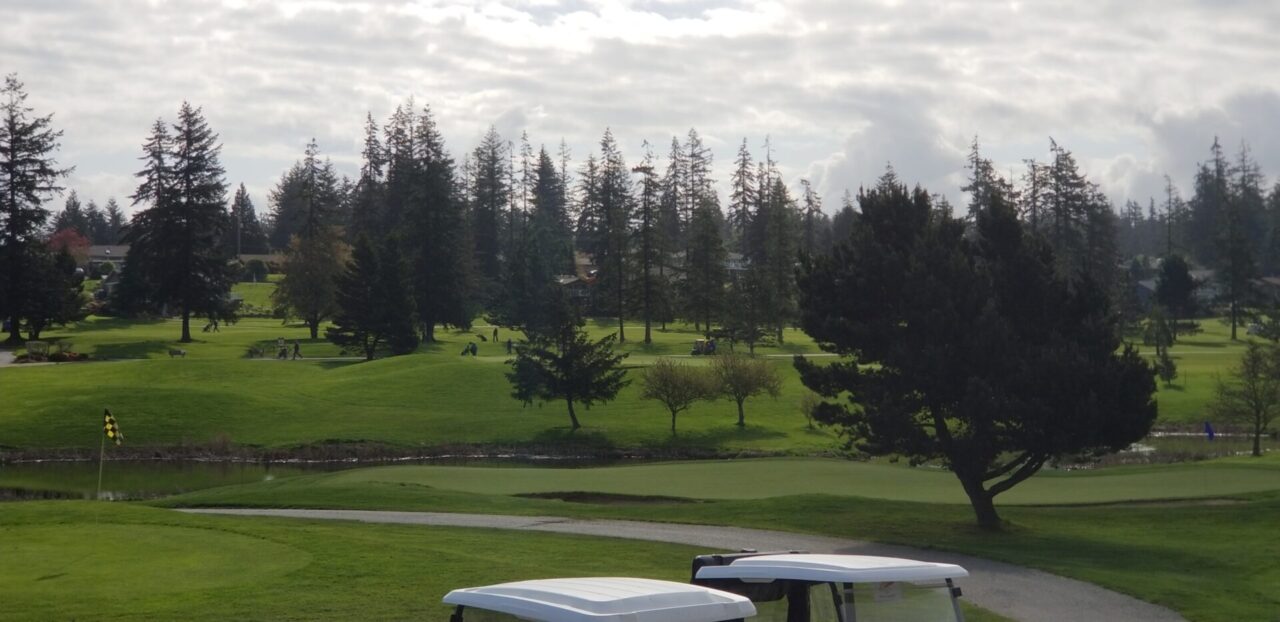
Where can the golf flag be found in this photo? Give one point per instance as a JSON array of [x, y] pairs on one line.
[[111, 428], [1208, 430]]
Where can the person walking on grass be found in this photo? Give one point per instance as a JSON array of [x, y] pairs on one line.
[[282, 352], [495, 334], [297, 350], [508, 345]]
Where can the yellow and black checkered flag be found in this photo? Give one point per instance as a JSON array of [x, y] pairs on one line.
[[111, 428]]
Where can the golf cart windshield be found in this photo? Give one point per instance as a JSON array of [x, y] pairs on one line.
[[880, 602]]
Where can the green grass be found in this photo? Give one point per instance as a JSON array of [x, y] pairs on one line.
[[1208, 559], [431, 398], [80, 560], [774, 478], [1201, 359], [256, 294]]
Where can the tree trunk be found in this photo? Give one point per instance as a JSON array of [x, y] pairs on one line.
[[742, 421], [984, 507], [1233, 320], [186, 325], [429, 332], [15, 335], [673, 423], [314, 325], [1257, 442], [573, 418]]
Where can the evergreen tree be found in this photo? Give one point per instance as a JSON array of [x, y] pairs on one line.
[[1175, 289], [843, 222], [603, 227], [367, 196], [440, 265], [115, 222], [774, 231], [489, 193], [99, 228], [29, 175], [57, 296], [1212, 193], [742, 196], [247, 236], [175, 241], [1271, 249], [72, 216], [811, 218], [1236, 258], [564, 363], [307, 199], [373, 304], [650, 286], [702, 289], [549, 217]]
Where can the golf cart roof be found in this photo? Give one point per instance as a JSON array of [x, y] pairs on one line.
[[831, 569], [605, 599]]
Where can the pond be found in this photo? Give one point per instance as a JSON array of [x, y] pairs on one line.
[[150, 479]]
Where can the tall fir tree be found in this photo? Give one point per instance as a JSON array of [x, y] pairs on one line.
[[29, 175], [373, 302], [1207, 204], [702, 288], [115, 221], [175, 241], [742, 197], [247, 237], [440, 265], [489, 194], [367, 196], [650, 283]]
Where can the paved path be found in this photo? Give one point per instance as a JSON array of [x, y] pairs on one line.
[[1013, 591], [6, 357]]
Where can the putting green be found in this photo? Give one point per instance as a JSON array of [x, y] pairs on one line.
[[116, 564], [758, 479]]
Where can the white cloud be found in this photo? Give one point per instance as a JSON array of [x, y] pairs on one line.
[[1135, 88]]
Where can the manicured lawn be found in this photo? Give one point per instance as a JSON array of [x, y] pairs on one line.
[[1210, 560], [758, 479], [80, 560], [433, 398], [1201, 359]]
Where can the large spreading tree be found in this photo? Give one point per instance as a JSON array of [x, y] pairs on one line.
[[175, 242], [968, 349]]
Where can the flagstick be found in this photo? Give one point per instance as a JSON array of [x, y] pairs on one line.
[[102, 450]]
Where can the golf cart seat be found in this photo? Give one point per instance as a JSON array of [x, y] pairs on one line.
[[597, 599], [804, 587]]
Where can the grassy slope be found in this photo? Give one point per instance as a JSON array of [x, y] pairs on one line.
[[110, 561], [773, 478], [1209, 560], [430, 398]]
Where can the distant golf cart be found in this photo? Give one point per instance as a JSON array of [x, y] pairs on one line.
[[604, 599], [801, 587], [703, 347]]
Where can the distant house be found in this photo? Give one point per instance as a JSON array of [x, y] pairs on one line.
[[108, 253]]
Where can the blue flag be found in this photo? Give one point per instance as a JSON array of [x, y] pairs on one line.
[[1208, 430]]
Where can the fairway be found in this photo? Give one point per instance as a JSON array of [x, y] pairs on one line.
[[759, 479]]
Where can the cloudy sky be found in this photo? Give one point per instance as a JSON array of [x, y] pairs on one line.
[[1136, 88]]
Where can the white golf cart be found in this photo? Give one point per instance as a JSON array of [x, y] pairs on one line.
[[802, 587], [604, 599]]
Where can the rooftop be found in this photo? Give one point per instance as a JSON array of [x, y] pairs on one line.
[[605, 599]]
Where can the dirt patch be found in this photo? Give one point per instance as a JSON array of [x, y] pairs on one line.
[[605, 498]]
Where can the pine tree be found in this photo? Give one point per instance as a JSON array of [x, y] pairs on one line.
[[549, 228], [72, 216], [1237, 237], [489, 193], [247, 235], [440, 264], [115, 221], [373, 306], [702, 289], [175, 241], [1207, 205], [603, 226], [307, 289], [742, 196], [368, 194], [651, 285], [563, 363], [28, 176]]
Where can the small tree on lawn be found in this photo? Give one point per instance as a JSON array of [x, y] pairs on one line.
[[307, 289], [676, 386], [741, 377], [1252, 395], [563, 363]]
